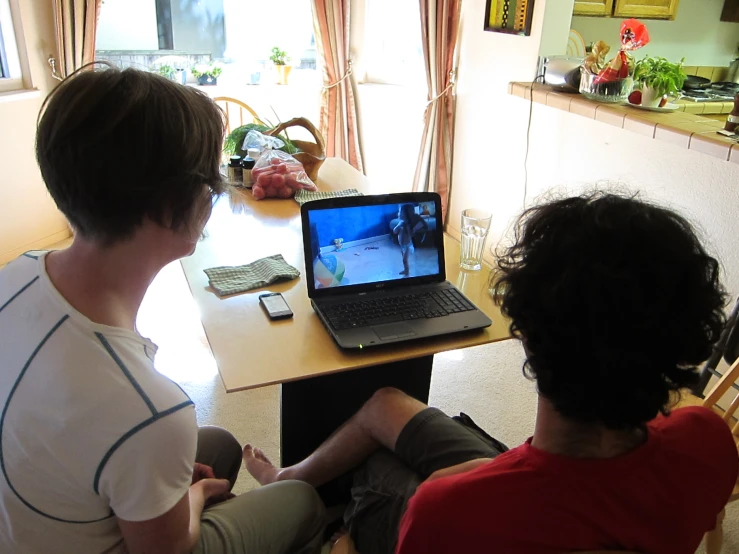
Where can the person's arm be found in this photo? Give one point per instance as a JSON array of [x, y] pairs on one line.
[[398, 227], [459, 468], [178, 530]]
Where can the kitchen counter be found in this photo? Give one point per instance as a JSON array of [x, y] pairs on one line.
[[685, 127]]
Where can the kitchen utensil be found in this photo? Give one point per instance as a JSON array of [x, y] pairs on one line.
[[693, 82], [733, 74], [613, 92], [562, 72]]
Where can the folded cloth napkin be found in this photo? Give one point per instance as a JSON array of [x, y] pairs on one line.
[[303, 196], [232, 279]]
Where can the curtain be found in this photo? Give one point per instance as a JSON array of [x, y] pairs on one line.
[[338, 123], [439, 32], [75, 23]]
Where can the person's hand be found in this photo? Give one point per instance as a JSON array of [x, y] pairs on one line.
[[201, 471], [214, 490]]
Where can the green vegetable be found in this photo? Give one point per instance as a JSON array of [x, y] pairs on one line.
[[660, 74], [235, 140]]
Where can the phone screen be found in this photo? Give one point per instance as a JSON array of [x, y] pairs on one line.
[[275, 304]]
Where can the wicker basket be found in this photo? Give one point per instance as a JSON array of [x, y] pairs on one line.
[[311, 155]]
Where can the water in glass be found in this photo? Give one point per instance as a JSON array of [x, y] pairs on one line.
[[475, 226]]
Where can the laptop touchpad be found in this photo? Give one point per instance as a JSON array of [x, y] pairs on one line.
[[393, 331]]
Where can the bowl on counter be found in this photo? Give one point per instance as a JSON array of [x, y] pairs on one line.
[[614, 92]]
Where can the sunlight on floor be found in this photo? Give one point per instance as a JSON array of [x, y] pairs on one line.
[[170, 318]]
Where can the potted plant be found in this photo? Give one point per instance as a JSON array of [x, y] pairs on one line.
[[658, 77], [207, 74], [279, 58]]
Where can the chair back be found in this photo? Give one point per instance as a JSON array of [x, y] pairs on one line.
[[726, 389], [237, 113]]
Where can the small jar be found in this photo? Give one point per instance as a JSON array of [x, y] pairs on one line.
[[235, 174], [247, 164], [732, 122]]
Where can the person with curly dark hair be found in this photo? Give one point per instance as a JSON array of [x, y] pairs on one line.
[[616, 302]]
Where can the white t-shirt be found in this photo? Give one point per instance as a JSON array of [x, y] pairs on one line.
[[89, 430]]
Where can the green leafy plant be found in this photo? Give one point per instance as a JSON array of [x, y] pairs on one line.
[[660, 74], [279, 57], [235, 140], [166, 71], [213, 69]]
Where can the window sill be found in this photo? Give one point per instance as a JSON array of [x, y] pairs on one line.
[[14, 95], [681, 128]]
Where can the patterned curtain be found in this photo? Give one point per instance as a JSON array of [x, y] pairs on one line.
[[440, 29], [338, 122], [75, 22]]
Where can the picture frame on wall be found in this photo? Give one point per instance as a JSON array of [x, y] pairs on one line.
[[509, 16]]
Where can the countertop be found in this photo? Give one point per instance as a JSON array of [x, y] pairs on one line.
[[685, 127]]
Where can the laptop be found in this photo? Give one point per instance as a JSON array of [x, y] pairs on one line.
[[375, 270]]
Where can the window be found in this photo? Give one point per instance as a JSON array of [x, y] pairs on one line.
[[11, 73]]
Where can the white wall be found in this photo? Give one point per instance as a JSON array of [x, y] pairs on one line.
[[127, 25], [28, 216], [568, 149], [697, 34]]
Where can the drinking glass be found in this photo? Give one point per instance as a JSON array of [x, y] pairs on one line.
[[475, 227]]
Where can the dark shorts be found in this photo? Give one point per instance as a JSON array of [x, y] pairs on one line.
[[384, 484]]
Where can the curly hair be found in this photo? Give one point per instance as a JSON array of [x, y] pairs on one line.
[[616, 302]]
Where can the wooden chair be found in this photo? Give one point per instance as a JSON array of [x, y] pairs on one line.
[[237, 113], [724, 389]]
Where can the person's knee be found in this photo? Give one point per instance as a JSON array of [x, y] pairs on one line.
[[306, 502], [220, 440], [386, 396]]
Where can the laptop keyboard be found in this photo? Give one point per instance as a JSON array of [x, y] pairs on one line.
[[377, 311]]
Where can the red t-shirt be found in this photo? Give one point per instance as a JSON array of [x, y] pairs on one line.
[[658, 499]]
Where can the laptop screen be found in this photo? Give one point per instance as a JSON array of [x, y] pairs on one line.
[[392, 238]]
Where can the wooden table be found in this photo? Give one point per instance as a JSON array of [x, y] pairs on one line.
[[322, 385]]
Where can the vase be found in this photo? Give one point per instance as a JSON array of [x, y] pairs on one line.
[[207, 80], [282, 73], [649, 97]]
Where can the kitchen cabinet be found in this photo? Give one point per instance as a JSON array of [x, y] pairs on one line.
[[646, 9], [731, 11], [602, 8]]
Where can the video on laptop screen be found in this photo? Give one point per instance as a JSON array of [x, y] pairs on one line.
[[370, 244]]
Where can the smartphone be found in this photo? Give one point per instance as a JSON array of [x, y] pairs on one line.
[[275, 305]]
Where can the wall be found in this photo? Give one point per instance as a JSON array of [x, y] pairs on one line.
[[367, 222], [28, 217], [569, 150], [696, 34], [127, 25]]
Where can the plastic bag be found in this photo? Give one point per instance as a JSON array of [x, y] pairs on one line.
[[255, 139], [634, 35], [278, 175]]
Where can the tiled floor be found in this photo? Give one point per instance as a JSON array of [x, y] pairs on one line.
[[382, 260]]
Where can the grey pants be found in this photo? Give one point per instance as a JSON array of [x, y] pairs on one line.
[[282, 518]]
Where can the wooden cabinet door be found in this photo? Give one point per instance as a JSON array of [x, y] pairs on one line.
[[731, 11], [602, 8], [646, 9]]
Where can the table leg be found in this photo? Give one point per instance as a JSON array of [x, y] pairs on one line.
[[312, 409]]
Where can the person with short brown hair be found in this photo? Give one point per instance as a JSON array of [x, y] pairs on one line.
[[100, 452]]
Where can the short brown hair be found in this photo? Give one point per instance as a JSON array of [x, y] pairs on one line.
[[116, 147]]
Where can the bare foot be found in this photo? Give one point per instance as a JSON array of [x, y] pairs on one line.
[[403, 273], [259, 466]]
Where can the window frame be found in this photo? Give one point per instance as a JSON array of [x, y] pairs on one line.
[[20, 82]]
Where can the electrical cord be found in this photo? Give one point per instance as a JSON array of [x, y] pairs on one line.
[[528, 138]]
